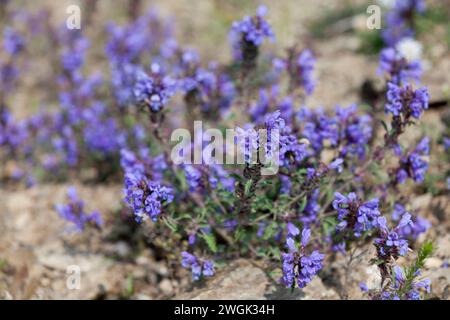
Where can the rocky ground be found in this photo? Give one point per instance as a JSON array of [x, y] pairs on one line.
[[35, 249], [36, 252]]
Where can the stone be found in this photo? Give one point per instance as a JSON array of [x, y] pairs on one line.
[[440, 282], [166, 286], [244, 280]]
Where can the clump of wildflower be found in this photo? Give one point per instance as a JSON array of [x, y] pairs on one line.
[[143, 163], [262, 106], [390, 244], [398, 68], [414, 165], [123, 78], [74, 212], [354, 214], [402, 289], [298, 267], [405, 101], [203, 178], [315, 175], [291, 151], [208, 88], [66, 146], [266, 137], [355, 131], [125, 44], [13, 43], [145, 197], [249, 34], [413, 230], [198, 267], [309, 214], [305, 71], [101, 133], [318, 128], [12, 133], [400, 20], [153, 91]]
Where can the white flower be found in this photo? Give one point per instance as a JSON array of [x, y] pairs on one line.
[[410, 49], [387, 3]]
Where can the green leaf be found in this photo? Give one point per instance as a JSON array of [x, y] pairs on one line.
[[172, 226], [303, 204], [383, 123], [329, 225], [210, 240], [248, 185]]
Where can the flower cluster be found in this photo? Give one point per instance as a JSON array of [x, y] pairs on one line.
[[74, 212], [145, 197], [400, 289], [248, 34], [398, 68], [198, 267], [298, 267], [414, 164], [412, 230], [153, 91], [305, 69], [355, 131], [355, 215], [405, 101], [207, 88], [254, 29], [13, 43], [319, 128], [400, 20], [390, 244]]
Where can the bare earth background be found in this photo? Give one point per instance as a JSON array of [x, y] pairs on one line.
[[35, 250]]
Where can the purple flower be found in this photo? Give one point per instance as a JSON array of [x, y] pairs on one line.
[[398, 290], [193, 177], [418, 226], [305, 69], [74, 212], [414, 165], [153, 91], [298, 267], [390, 242], [248, 35], [355, 131], [399, 21], [125, 44], [13, 134], [101, 133], [262, 106], [199, 178], [398, 68], [13, 43], [208, 88], [254, 29], [198, 267], [337, 165], [291, 151], [363, 287], [286, 184], [292, 230], [406, 101], [318, 128], [309, 214], [145, 197], [123, 78], [355, 215]]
